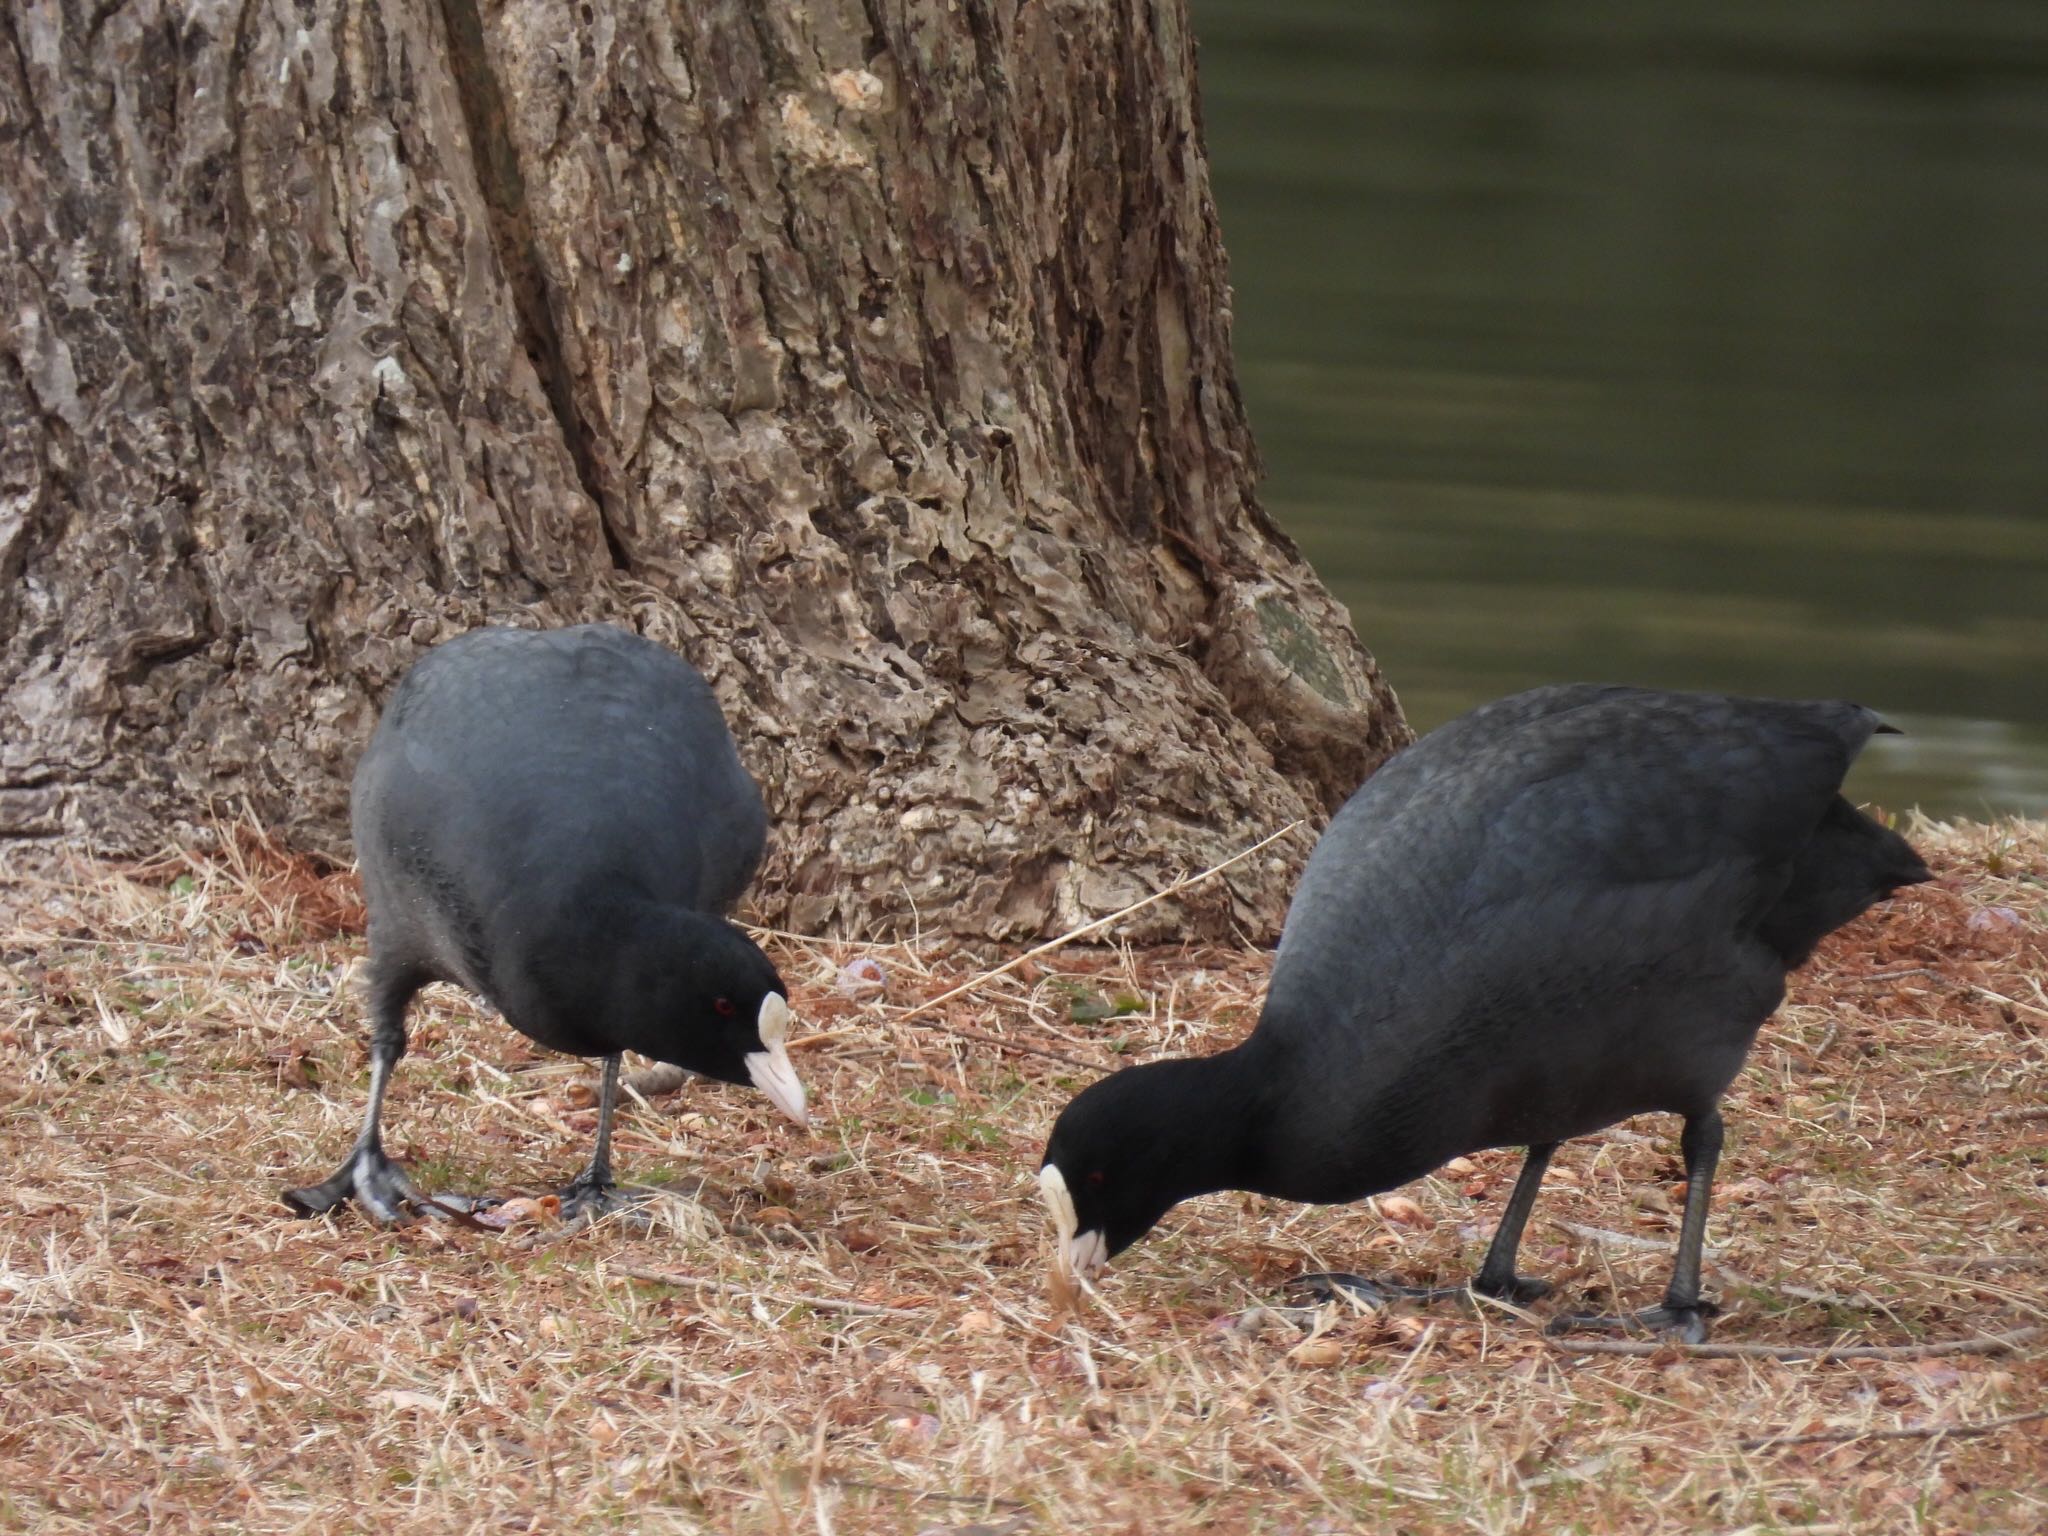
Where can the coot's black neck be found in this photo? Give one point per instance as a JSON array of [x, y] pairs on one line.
[[1256, 1118], [1238, 1120]]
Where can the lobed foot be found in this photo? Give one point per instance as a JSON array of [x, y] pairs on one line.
[[1327, 1286], [369, 1178], [1687, 1325], [585, 1203], [588, 1198], [1518, 1290]]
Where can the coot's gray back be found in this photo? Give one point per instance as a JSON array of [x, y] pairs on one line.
[[514, 771], [1578, 788]]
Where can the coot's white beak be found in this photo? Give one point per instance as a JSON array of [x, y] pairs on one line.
[[771, 1069], [1077, 1255]]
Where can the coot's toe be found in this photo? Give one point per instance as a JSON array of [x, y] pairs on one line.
[[1686, 1324], [1329, 1285], [369, 1177], [1517, 1289], [590, 1198], [1334, 1285]]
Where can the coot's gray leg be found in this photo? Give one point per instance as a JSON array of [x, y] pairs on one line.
[[367, 1174], [1497, 1275], [1701, 1146], [593, 1186], [1683, 1315]]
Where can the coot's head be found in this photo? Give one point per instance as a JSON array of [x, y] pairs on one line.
[[721, 1010], [1121, 1155]]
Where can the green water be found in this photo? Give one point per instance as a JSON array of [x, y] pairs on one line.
[[1694, 345]]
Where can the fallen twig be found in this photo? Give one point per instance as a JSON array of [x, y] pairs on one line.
[[1074, 934], [2010, 1002], [1989, 1344], [2037, 1112], [986, 1499], [783, 1299], [1919, 1432], [454, 1213]]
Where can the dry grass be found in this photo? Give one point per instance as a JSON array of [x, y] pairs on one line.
[[858, 1339]]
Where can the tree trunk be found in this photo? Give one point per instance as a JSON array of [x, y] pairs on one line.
[[872, 353]]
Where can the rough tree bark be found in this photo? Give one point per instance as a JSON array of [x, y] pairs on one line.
[[873, 353]]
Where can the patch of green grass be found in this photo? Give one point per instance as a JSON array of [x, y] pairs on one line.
[[437, 1174], [970, 1134]]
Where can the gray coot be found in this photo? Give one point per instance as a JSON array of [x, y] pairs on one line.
[[1562, 909], [558, 820]]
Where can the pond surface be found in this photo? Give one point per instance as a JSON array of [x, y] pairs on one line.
[[1697, 345]]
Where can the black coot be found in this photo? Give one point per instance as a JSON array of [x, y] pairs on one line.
[[557, 820], [1562, 909]]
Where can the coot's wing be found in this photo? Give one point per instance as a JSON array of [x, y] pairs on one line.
[[1604, 830], [1452, 751], [1642, 788], [680, 767], [1450, 746]]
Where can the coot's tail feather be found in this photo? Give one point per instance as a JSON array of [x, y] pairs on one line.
[[1850, 863]]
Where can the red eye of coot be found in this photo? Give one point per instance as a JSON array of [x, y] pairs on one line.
[[1098, 1178], [724, 1006]]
